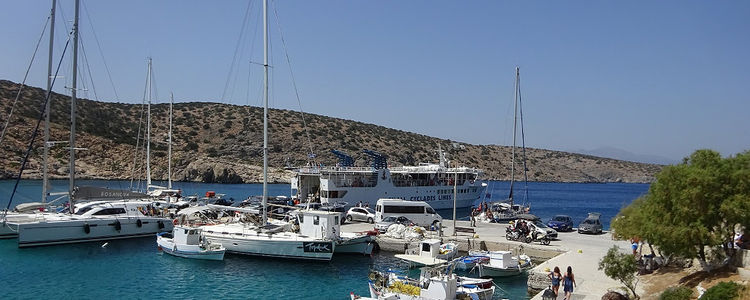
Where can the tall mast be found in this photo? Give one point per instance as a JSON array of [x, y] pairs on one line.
[[45, 179], [73, 110], [265, 108], [148, 128], [515, 122], [455, 197], [169, 152]]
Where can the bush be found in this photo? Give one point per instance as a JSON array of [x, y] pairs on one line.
[[723, 291], [676, 293]]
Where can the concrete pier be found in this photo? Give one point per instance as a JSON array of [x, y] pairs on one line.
[[581, 252]]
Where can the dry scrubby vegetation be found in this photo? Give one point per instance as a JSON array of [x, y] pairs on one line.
[[220, 142]]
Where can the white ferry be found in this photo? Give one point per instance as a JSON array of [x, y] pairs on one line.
[[429, 182]]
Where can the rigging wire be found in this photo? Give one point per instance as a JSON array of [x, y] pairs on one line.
[[88, 70], [34, 133], [101, 53], [311, 155], [523, 146], [23, 83], [236, 51], [138, 139]]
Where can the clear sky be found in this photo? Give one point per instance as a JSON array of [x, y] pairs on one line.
[[650, 77]]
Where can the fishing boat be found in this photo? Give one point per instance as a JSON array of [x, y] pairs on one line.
[[501, 263], [429, 252], [429, 182], [188, 243], [433, 283]]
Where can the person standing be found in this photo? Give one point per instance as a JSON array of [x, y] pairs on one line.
[[569, 282], [555, 276]]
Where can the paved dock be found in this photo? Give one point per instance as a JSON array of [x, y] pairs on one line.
[[580, 251]]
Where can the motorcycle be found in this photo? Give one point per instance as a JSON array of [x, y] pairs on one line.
[[514, 234]]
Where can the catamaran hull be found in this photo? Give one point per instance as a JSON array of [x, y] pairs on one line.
[[89, 230], [261, 245], [8, 231]]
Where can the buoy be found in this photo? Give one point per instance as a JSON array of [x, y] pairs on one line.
[[580, 251], [105, 244]]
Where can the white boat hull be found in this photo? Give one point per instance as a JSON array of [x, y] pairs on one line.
[[74, 230], [188, 251], [360, 244], [284, 244]]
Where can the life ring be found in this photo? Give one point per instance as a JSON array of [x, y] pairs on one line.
[[139, 223], [174, 222]]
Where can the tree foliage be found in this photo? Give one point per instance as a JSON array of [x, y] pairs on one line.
[[621, 267], [692, 205]]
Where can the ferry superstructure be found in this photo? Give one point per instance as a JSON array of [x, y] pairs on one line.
[[429, 182]]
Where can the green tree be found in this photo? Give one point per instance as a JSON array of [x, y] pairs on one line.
[[621, 267], [692, 206]]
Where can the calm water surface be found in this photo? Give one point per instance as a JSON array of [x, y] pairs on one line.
[[135, 269]]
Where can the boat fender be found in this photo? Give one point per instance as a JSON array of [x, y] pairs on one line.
[[139, 223], [87, 228], [118, 226], [161, 224]]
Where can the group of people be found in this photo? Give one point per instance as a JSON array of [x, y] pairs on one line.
[[567, 280], [366, 205]]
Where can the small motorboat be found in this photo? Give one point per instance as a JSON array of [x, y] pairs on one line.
[[187, 242], [429, 253], [501, 263]]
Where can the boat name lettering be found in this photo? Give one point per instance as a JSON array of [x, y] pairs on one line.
[[317, 247], [422, 198]]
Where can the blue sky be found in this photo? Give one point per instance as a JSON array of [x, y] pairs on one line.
[[650, 77]]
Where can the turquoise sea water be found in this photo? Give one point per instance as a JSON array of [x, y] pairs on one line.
[[135, 269]]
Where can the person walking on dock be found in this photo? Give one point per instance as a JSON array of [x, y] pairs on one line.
[[555, 276], [569, 282]]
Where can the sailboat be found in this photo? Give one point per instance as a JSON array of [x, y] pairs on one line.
[[318, 229], [96, 221], [35, 211], [507, 209]]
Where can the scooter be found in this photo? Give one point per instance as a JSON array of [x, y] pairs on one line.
[[537, 236]]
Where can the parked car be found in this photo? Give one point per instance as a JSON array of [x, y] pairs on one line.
[[591, 224], [382, 226], [561, 223], [361, 214]]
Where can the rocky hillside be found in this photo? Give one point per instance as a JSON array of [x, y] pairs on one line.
[[223, 143]]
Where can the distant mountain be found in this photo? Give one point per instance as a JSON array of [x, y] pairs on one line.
[[620, 154], [216, 142]]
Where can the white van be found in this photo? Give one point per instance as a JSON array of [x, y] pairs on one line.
[[418, 212]]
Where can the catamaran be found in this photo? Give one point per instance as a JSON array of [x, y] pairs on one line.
[[99, 221]]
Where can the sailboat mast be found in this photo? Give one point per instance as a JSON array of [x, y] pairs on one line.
[[148, 129], [265, 108], [73, 110], [45, 178], [515, 123], [169, 152]]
